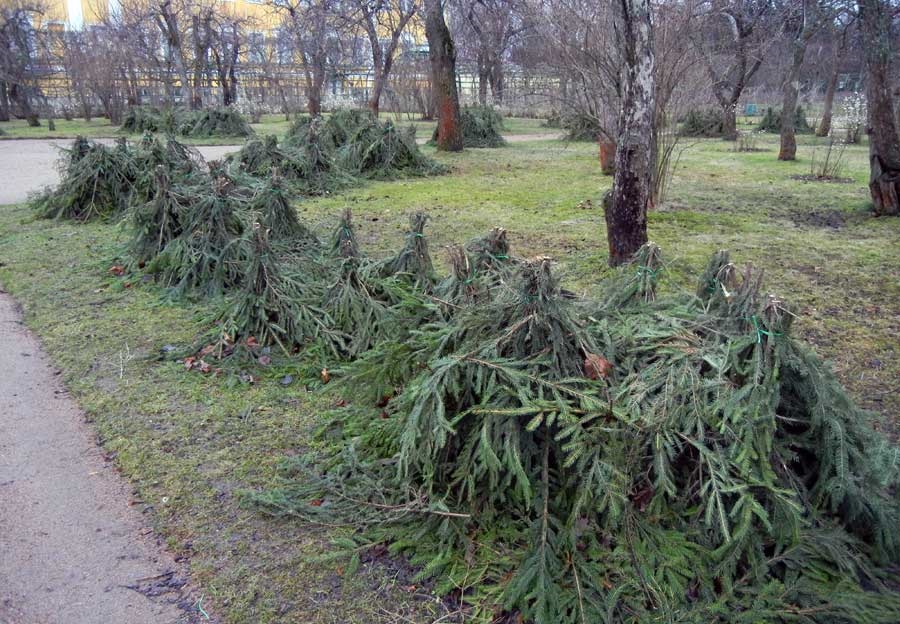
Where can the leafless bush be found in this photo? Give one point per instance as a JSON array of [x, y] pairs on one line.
[[830, 164]]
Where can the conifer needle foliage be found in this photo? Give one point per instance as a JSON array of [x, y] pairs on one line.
[[207, 257], [158, 222], [209, 122], [413, 262], [273, 303], [96, 182], [554, 460], [480, 126]]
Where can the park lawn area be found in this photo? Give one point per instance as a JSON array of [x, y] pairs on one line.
[[270, 124], [192, 443]]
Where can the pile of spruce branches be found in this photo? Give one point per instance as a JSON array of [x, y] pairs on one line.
[[480, 126], [100, 181], [545, 457], [554, 459], [322, 155], [205, 123]]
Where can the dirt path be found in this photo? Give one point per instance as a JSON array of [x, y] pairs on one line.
[[69, 543], [30, 164]]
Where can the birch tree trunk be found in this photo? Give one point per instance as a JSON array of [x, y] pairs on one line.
[[884, 144], [626, 205], [442, 54]]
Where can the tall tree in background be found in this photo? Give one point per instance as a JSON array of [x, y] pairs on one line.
[[732, 48], [442, 54], [167, 17], [18, 56], [804, 19], [839, 31], [884, 144], [384, 22], [493, 26], [315, 26], [626, 205]]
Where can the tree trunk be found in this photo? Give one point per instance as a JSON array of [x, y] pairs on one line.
[[314, 95], [19, 95], [729, 122], [824, 128], [884, 144], [4, 102], [482, 80], [375, 95], [790, 89], [442, 54], [626, 205]]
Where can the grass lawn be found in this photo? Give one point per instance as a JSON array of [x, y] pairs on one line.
[[191, 443], [271, 124]]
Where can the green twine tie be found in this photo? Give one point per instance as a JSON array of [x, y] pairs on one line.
[[760, 332], [645, 269]]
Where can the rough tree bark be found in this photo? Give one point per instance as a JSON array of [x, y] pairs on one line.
[[442, 54], [884, 144], [824, 128], [4, 102], [626, 205], [813, 18], [790, 90]]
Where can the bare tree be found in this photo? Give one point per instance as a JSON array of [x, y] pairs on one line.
[[18, 57], [884, 143], [493, 26], [839, 36], [383, 22], [803, 19], [732, 47], [627, 203], [166, 14], [225, 41], [315, 25], [443, 77]]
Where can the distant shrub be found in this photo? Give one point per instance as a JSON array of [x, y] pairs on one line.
[[702, 123], [581, 127], [771, 121]]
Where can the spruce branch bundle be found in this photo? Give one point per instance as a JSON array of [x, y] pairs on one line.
[[207, 256], [96, 181], [480, 126], [158, 222], [216, 122], [273, 304], [343, 241], [382, 151], [461, 287], [413, 262], [637, 284], [712, 468], [271, 205]]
